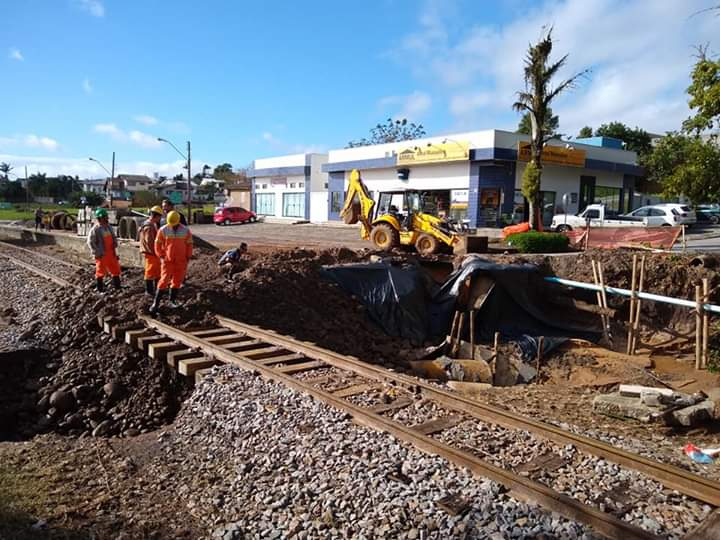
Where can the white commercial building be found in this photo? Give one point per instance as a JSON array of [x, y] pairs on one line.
[[291, 187], [474, 177]]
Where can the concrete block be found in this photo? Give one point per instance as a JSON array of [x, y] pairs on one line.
[[693, 415], [623, 407]]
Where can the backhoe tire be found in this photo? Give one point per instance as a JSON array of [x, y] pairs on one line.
[[384, 236], [427, 244]]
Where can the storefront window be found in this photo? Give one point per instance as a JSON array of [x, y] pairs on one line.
[[609, 196], [518, 215], [293, 205], [548, 207], [265, 204], [337, 198]]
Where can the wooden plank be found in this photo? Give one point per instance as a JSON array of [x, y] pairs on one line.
[[386, 407], [200, 374], [159, 351], [240, 345], [189, 366], [434, 426], [210, 332], [222, 340], [174, 357], [144, 342], [279, 359], [317, 380], [708, 529], [295, 368], [354, 389], [131, 336], [118, 331]]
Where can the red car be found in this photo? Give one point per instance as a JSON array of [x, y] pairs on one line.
[[233, 214]]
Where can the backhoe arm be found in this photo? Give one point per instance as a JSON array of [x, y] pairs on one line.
[[358, 204]]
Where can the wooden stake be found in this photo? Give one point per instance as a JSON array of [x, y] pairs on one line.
[[599, 300], [472, 334], [541, 339], [453, 327], [632, 306], [604, 298], [698, 326], [684, 243], [461, 323], [638, 306], [706, 322], [496, 343]]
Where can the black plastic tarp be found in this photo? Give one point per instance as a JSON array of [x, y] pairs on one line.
[[406, 302]]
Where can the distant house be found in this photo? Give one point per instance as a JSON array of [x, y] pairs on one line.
[[94, 185], [238, 192], [135, 182], [175, 190]]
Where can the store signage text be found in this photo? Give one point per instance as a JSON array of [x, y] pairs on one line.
[[554, 154], [434, 153]]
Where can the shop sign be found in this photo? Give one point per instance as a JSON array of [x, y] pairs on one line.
[[278, 180], [459, 196], [554, 154], [434, 153]]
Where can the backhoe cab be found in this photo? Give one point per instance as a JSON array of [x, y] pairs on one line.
[[391, 227]]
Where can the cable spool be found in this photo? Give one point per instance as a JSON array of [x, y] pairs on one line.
[[57, 220], [123, 228]]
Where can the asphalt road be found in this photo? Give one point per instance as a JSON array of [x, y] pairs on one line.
[[274, 235]]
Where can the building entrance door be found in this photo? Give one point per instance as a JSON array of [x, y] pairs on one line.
[[587, 192]]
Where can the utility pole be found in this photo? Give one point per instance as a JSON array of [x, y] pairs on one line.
[[112, 179], [189, 186], [27, 188]]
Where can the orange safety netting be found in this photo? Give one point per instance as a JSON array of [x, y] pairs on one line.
[[617, 237]]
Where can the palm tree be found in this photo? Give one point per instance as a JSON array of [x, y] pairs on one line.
[[5, 169], [535, 101]]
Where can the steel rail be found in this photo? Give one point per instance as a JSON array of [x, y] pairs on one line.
[[42, 255], [604, 523], [672, 477], [42, 273]]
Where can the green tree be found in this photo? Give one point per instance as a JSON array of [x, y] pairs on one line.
[[391, 131], [223, 171], [585, 132], [5, 169], [685, 165], [535, 100], [704, 94], [550, 125], [91, 198], [179, 177], [636, 140]]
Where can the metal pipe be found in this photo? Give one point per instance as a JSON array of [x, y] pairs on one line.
[[624, 292]]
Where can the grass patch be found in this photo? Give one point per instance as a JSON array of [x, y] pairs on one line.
[[539, 242]]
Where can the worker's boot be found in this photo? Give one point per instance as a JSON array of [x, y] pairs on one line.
[[150, 287], [99, 285], [173, 298], [159, 293], [116, 283]]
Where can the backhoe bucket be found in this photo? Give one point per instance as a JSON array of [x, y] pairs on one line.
[[470, 244]]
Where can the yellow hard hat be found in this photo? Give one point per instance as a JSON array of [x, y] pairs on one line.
[[156, 210], [173, 218]]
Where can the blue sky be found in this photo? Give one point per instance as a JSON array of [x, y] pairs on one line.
[[244, 80]]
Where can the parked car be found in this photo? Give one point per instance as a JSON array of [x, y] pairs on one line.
[[233, 214], [673, 213], [598, 216], [707, 213]]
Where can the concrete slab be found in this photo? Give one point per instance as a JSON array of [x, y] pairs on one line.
[[619, 406], [693, 415]]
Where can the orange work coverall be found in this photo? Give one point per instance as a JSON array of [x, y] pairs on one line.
[[148, 234], [174, 247], [108, 263]]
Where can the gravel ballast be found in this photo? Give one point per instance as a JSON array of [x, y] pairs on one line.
[[287, 465]]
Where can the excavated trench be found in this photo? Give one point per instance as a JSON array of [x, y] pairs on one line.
[[19, 384]]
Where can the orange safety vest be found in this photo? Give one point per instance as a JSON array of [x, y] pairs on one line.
[[174, 244]]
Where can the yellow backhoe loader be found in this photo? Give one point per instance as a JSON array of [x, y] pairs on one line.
[[390, 228]]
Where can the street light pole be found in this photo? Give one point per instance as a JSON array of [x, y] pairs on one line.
[[27, 188], [189, 178], [112, 176]]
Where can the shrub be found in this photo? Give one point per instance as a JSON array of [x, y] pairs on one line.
[[539, 242]]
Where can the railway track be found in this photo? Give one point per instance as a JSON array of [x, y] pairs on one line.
[[376, 397], [41, 264], [348, 385]]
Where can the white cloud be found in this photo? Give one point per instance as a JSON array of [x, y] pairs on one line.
[[29, 140], [87, 87], [93, 7], [280, 146], [640, 53], [85, 168], [15, 54], [134, 136], [412, 106], [267, 136], [146, 120]]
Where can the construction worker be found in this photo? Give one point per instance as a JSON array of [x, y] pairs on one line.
[[173, 244], [167, 207], [231, 261], [148, 232], [38, 218], [103, 244]]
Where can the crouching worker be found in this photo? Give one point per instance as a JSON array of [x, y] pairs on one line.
[[103, 244], [173, 244], [231, 261], [148, 233]]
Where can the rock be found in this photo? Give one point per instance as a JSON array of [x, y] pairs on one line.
[[62, 400], [114, 390], [693, 415], [623, 407], [102, 429]]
